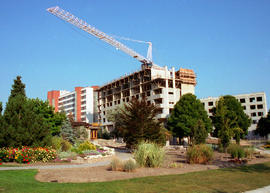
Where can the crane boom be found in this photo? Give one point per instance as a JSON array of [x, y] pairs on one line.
[[68, 17]]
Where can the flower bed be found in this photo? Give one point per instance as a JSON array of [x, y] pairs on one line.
[[27, 154]]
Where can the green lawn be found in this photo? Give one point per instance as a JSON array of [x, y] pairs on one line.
[[222, 180]]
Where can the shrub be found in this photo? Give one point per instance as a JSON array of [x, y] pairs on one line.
[[176, 165], [86, 146], [56, 143], [129, 165], [116, 164], [249, 152], [63, 155], [149, 155], [65, 145], [199, 154], [236, 151]]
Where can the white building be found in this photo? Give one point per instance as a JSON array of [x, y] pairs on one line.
[[79, 102], [159, 85], [254, 105]]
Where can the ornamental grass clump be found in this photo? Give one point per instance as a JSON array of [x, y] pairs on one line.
[[129, 165], [116, 164], [149, 155], [199, 154], [236, 151]]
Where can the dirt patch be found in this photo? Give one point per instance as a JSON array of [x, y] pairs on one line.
[[103, 173]]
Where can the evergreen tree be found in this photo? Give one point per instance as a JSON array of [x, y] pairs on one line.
[[187, 116], [137, 123], [67, 132], [17, 88]]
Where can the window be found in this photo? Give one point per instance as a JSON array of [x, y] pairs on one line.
[[244, 107], [252, 107], [210, 103], [118, 101], [260, 113], [252, 99], [149, 102], [104, 112], [242, 100], [171, 103], [148, 93], [253, 114], [254, 121], [104, 120], [170, 92], [259, 99], [210, 110], [170, 111], [115, 102], [260, 106]]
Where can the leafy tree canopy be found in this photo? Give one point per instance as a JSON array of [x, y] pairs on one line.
[[187, 116], [263, 126], [232, 113]]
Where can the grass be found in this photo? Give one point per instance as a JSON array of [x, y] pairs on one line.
[[222, 180]]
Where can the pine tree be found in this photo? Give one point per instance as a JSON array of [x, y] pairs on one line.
[[18, 88], [67, 132], [137, 123]]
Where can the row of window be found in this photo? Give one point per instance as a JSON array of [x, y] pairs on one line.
[[254, 114], [251, 99], [67, 97]]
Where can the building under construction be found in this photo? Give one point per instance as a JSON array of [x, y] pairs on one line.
[[159, 85]]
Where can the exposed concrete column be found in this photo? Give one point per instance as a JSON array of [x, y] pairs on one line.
[[166, 101]]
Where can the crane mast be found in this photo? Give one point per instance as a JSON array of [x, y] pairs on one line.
[[68, 17]]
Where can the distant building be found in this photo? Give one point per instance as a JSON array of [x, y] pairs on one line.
[[254, 105], [160, 86], [80, 103]]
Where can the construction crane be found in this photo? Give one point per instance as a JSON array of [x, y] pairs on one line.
[[68, 17]]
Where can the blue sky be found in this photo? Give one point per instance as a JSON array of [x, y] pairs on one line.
[[226, 42]]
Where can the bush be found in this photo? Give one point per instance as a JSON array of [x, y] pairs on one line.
[[236, 151], [129, 165], [199, 154], [63, 155], [116, 164], [65, 145], [86, 146], [56, 143], [249, 151], [149, 155]]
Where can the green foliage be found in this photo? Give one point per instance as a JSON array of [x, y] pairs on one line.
[[236, 151], [63, 155], [18, 88], [149, 155], [199, 133], [67, 132], [229, 114], [56, 143], [129, 165], [65, 145], [86, 146], [27, 122], [198, 154], [137, 123], [263, 126], [187, 117], [116, 164]]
